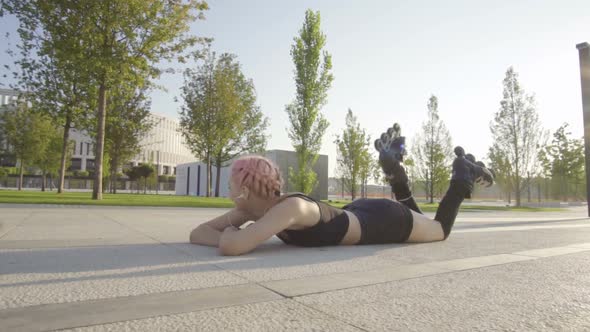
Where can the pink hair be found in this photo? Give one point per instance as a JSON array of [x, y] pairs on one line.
[[258, 174]]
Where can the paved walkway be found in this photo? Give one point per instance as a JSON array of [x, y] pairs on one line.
[[115, 268]]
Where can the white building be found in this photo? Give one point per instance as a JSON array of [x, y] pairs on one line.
[[163, 146], [7, 97], [191, 178]]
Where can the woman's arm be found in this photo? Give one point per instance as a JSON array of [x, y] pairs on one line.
[[208, 233], [235, 241]]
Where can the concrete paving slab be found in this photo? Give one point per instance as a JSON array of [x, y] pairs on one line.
[[478, 262], [68, 315], [57, 225], [517, 228], [42, 276], [58, 256], [319, 284], [549, 294], [10, 218], [465, 245], [550, 252], [283, 315], [69, 243], [581, 245]]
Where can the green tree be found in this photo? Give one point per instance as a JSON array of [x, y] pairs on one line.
[[199, 111], [433, 152], [313, 78], [52, 86], [563, 160], [241, 125], [4, 171], [353, 154], [27, 133], [368, 166], [114, 42], [144, 171], [49, 161], [127, 124], [133, 175], [503, 171], [516, 131], [220, 119]]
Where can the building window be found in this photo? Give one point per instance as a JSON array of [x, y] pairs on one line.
[[166, 170], [174, 170], [90, 165], [87, 148], [76, 164], [81, 148]]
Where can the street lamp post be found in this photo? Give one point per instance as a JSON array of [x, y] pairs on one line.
[[584, 53]]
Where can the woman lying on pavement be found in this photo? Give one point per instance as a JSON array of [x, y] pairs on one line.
[[297, 219]]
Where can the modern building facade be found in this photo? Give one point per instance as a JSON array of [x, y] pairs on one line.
[[191, 178], [163, 147], [7, 99]]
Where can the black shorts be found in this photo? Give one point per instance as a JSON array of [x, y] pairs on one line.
[[382, 220]]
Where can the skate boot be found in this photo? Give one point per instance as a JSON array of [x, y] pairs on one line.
[[391, 148], [466, 169]]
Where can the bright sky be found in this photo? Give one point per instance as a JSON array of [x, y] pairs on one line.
[[390, 56]]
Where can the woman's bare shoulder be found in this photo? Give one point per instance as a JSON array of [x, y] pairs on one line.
[[307, 211]]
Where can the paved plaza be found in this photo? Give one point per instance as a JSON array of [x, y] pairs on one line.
[[81, 268]]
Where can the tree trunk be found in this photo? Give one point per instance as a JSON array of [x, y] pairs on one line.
[[64, 152], [20, 180], [43, 179], [528, 187], [208, 190], [431, 190], [114, 179], [518, 191], [102, 112], [114, 166], [217, 178]]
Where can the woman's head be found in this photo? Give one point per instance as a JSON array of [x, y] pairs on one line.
[[255, 175]]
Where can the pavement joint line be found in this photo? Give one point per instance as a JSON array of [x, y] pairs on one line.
[[516, 228], [49, 317], [17, 224], [334, 317], [292, 288], [109, 310], [175, 248]]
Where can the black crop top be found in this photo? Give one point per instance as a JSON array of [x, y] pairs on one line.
[[330, 229]]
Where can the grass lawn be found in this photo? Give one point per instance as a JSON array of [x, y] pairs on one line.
[[85, 198]]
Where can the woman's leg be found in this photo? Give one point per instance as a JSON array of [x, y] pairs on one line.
[[391, 148], [425, 229], [465, 172]]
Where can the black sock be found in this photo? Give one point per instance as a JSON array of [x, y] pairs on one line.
[[404, 195], [449, 205]]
